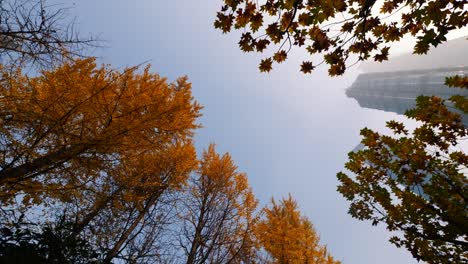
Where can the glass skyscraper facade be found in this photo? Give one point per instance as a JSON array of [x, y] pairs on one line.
[[396, 91]]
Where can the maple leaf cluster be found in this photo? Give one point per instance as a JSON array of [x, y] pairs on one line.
[[416, 183], [341, 30]]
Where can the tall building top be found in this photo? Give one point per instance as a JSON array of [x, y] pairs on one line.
[[406, 85], [394, 85]]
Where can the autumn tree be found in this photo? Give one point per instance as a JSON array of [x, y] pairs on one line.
[[288, 237], [61, 129], [415, 183], [341, 30], [101, 145], [127, 221], [36, 32], [217, 213]]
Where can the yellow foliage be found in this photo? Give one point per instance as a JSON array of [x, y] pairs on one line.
[[81, 125], [288, 237], [219, 213]]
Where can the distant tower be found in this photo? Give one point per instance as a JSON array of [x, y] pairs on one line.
[[394, 85], [397, 91]]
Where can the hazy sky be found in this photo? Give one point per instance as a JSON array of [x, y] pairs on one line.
[[288, 131]]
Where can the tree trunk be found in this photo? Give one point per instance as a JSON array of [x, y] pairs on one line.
[[116, 248]]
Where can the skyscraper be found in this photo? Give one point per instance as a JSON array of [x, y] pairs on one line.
[[396, 91], [394, 88]]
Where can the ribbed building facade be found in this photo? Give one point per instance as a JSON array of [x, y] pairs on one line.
[[394, 85], [397, 91]]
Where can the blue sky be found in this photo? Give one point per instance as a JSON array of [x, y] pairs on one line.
[[288, 131]]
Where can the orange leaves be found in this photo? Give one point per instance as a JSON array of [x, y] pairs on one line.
[[218, 212], [289, 237], [388, 7], [265, 65], [219, 176], [280, 56], [304, 19], [245, 15], [274, 33], [307, 67], [224, 22], [321, 42], [246, 42], [286, 19], [383, 55], [107, 145], [79, 121], [256, 22], [215, 169], [147, 172], [397, 127], [261, 44], [339, 5], [457, 81]]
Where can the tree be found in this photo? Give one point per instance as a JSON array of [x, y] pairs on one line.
[[217, 213], [28, 243], [339, 29], [135, 209], [288, 237], [33, 31], [78, 123], [100, 145], [415, 183]]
